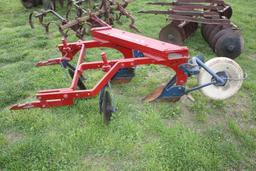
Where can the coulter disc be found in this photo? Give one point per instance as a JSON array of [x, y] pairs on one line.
[[107, 108], [235, 77]]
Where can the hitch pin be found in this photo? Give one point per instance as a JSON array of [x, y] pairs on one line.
[[106, 67]]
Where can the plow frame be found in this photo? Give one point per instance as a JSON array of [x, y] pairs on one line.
[[107, 37]]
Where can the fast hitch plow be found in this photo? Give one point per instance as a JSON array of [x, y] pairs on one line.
[[216, 80]]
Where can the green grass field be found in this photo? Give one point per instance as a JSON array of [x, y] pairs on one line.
[[200, 135]]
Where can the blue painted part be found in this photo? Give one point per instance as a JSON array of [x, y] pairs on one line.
[[64, 64], [192, 67], [219, 80], [128, 72], [125, 72], [171, 90], [137, 54], [175, 91]]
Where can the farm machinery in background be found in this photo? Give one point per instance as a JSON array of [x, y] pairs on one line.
[[221, 34], [49, 4], [107, 10], [218, 78], [46, 3]]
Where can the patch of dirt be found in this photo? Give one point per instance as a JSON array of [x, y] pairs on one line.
[[13, 136]]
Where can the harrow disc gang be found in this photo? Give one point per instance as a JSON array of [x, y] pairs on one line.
[[230, 44], [224, 40]]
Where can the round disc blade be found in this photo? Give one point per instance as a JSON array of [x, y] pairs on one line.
[[235, 78], [107, 108], [218, 35], [208, 31], [229, 45], [172, 34], [215, 30], [190, 28], [205, 29]]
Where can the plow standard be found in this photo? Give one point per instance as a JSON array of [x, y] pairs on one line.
[[219, 78]]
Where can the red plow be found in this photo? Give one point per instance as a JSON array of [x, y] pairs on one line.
[[219, 78]]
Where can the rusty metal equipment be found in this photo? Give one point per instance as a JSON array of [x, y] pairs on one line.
[[135, 50], [48, 4], [109, 11], [31, 3], [214, 15], [225, 40]]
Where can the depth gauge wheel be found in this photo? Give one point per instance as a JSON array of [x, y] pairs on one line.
[[221, 66]]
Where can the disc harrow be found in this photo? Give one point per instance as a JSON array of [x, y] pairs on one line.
[[224, 40], [214, 17], [219, 78]]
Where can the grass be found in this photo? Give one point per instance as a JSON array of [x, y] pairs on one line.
[[200, 135]]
